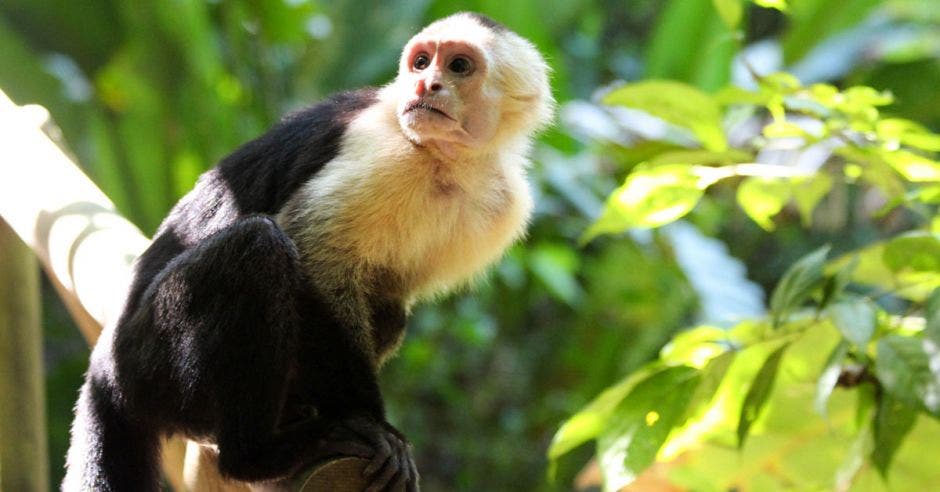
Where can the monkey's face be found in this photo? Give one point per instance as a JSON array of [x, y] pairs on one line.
[[443, 97]]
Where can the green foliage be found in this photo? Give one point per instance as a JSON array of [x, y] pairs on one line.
[[677, 103], [844, 325]]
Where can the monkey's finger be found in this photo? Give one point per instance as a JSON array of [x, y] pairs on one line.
[[413, 471], [400, 484], [383, 452], [381, 479]]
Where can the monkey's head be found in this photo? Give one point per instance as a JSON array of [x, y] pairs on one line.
[[470, 84]]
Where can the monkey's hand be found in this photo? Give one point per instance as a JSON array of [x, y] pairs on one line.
[[391, 466]]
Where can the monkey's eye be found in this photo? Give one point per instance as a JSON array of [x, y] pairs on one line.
[[460, 66], [421, 62]]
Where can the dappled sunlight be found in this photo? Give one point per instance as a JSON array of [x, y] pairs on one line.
[[68, 221]]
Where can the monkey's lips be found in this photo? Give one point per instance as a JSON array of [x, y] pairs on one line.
[[425, 106]]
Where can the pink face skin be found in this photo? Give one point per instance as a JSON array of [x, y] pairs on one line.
[[444, 101]]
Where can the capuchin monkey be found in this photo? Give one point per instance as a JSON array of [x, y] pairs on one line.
[[274, 291]]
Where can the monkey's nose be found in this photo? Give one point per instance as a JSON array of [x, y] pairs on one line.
[[431, 86]]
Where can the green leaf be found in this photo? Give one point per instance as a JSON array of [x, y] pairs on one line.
[[783, 129], [893, 421], [730, 12], [677, 103], [762, 198], [797, 284], [758, 393], [809, 191], [907, 132], [555, 265], [874, 170], [909, 373], [695, 347], [690, 43], [733, 94], [642, 422], [855, 319], [781, 83], [702, 157], [932, 316], [649, 198], [854, 461], [872, 270], [917, 252], [829, 377], [780, 5], [588, 423], [914, 167], [835, 284], [867, 96], [712, 376]]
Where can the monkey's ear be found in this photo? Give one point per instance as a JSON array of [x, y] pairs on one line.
[[523, 76]]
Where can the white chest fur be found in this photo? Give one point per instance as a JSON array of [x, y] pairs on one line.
[[385, 203]]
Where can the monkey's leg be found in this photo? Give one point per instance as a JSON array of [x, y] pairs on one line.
[[334, 369], [108, 452], [231, 303], [227, 308]]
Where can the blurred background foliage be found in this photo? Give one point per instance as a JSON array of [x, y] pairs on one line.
[[149, 94]]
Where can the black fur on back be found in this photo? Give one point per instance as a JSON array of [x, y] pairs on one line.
[[258, 178]]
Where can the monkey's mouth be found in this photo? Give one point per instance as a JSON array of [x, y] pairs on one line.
[[424, 106]]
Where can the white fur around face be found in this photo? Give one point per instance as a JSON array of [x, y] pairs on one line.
[[393, 206], [402, 208]]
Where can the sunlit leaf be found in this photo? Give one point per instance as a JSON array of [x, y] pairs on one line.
[[733, 94], [730, 12], [908, 133], [826, 95], [892, 422], [649, 198], [677, 103], [642, 422], [798, 283], [695, 347], [758, 393], [872, 270], [781, 82], [918, 252], [868, 96], [701, 157], [829, 377], [783, 129], [809, 191], [762, 198], [780, 5], [914, 167], [855, 459], [873, 169], [588, 423], [909, 373], [855, 319]]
